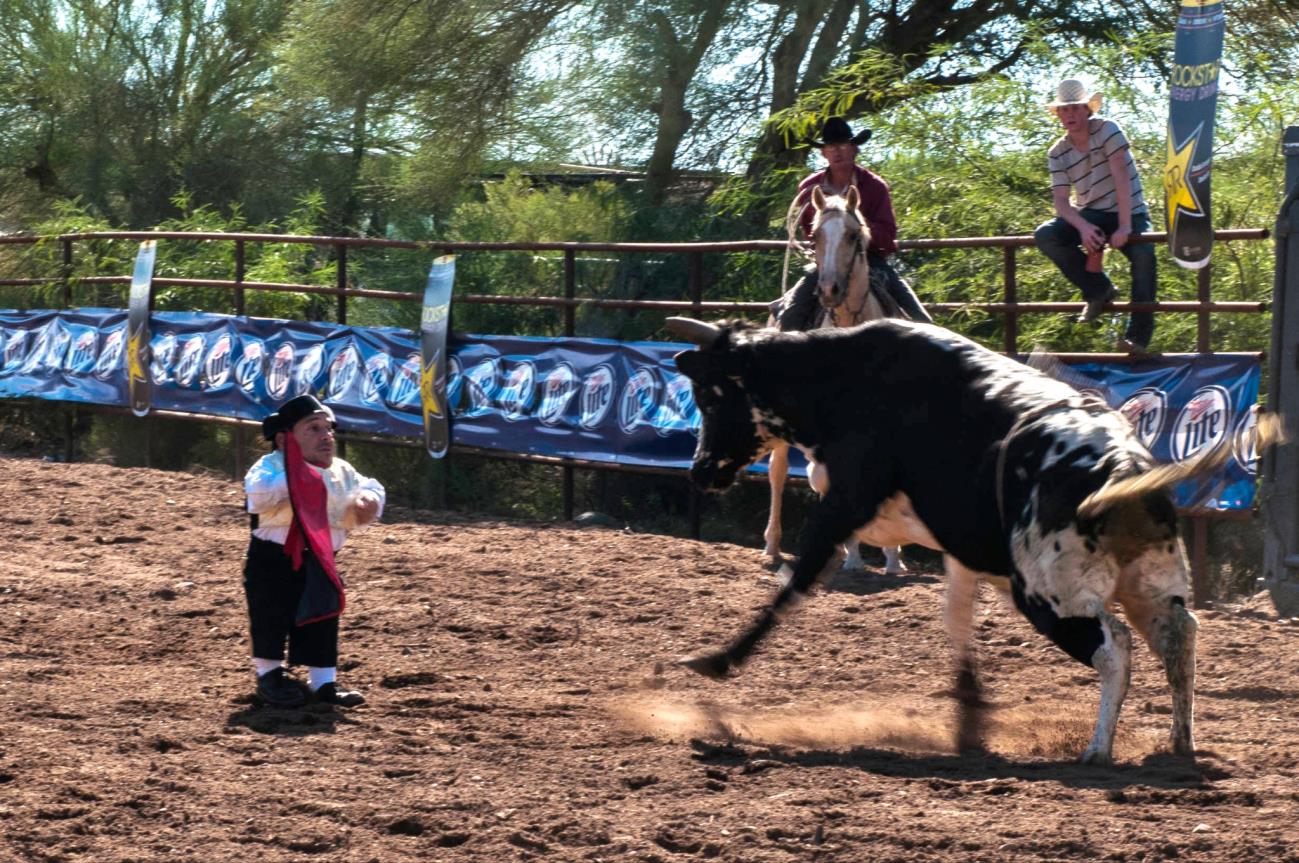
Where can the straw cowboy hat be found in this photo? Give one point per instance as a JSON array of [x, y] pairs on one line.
[[1071, 91]]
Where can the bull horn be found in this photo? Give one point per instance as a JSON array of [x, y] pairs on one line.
[[696, 332]]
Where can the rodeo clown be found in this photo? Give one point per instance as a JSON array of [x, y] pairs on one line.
[[303, 503]]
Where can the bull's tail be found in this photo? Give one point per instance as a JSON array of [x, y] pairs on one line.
[[1268, 431]]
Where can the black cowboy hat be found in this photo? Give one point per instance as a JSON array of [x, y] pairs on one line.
[[837, 131], [292, 412]]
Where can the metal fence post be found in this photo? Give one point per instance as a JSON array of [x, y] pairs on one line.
[[570, 329], [1012, 297], [697, 297], [66, 298], [1203, 281]]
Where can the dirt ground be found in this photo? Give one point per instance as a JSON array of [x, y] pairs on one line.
[[523, 706]]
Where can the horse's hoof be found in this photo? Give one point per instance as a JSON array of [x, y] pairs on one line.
[[1097, 758], [711, 665]]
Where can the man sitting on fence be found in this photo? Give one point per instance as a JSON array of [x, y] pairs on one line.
[[1093, 160]]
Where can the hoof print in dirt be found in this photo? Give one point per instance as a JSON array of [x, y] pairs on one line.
[[416, 678], [635, 783]]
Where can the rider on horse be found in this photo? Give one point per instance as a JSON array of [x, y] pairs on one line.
[[797, 310]]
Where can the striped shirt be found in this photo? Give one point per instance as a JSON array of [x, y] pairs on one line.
[[1089, 173]]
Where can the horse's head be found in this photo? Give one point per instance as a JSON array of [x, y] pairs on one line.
[[840, 238]]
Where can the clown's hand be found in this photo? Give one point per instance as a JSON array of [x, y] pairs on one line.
[[362, 508]]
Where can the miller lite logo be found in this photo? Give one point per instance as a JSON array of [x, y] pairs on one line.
[[15, 349], [190, 361], [248, 370], [163, 351], [309, 368], [404, 390], [1203, 424], [343, 369], [480, 386], [678, 413], [1145, 410], [280, 371], [516, 391], [640, 398], [47, 351], [82, 352], [1244, 441], [110, 356], [216, 368], [557, 391], [374, 383], [597, 396]]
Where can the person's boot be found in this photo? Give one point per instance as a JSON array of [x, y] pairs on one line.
[[1094, 307], [276, 689], [329, 693]]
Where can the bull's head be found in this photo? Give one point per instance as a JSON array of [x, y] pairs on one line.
[[730, 437]]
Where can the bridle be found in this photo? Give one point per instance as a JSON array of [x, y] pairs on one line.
[[858, 253]]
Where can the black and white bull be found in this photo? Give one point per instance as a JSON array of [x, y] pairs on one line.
[[926, 437]]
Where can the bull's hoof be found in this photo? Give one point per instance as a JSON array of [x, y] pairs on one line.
[[713, 665]]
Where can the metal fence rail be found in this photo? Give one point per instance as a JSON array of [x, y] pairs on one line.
[[1009, 309]]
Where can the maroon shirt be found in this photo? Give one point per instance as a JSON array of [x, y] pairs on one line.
[[876, 205]]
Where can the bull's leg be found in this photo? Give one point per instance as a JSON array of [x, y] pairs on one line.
[[777, 471], [832, 520], [1113, 660], [1172, 635], [958, 616], [1062, 585], [1153, 592]]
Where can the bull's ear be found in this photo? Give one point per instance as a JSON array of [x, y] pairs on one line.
[[690, 364]]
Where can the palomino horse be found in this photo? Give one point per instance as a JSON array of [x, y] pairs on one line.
[[840, 238]]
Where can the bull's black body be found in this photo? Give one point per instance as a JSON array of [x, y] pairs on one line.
[[993, 457]]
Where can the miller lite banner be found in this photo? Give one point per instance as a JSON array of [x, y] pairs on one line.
[[590, 399], [1185, 407], [137, 344], [1193, 100], [433, 324]]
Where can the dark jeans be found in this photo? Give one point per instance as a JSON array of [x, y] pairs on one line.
[[1061, 242], [273, 590], [797, 309]]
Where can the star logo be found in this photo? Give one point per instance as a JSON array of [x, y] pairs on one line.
[[1179, 194], [427, 396], [134, 359]]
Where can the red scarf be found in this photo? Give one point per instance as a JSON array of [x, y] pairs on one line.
[[310, 500]]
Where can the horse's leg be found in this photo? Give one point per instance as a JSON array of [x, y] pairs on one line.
[[852, 561], [777, 470], [893, 564]]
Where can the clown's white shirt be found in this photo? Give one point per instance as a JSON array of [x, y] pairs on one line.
[[267, 486]]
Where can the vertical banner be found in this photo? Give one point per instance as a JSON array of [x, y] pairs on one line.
[[137, 328], [1193, 98], [433, 325]]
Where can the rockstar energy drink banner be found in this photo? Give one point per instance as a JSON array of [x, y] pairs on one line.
[[592, 399], [137, 327], [1193, 98], [433, 326]]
